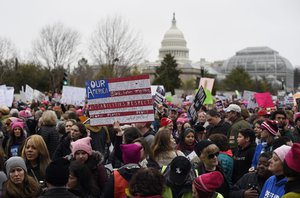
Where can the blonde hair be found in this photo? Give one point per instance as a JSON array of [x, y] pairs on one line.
[[40, 145], [49, 118]]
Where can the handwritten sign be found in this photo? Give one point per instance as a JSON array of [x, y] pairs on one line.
[[73, 95]]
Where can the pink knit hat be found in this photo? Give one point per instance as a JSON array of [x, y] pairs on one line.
[[83, 144], [182, 120], [282, 151], [209, 182], [17, 124], [131, 153], [292, 159]]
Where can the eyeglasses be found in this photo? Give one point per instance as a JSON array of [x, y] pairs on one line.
[[211, 156], [69, 125]]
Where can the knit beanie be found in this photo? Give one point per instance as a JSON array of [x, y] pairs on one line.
[[282, 151], [57, 172], [208, 182], [14, 162], [17, 124], [131, 153], [292, 158], [83, 144], [202, 145], [270, 126], [182, 120], [165, 121]]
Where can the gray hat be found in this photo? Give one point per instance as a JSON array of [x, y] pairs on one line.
[[14, 162], [233, 107]]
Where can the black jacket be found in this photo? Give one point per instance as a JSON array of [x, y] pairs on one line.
[[222, 127], [248, 180], [242, 161], [63, 148], [51, 138], [57, 192]]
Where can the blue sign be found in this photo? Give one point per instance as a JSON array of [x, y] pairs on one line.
[[97, 89]]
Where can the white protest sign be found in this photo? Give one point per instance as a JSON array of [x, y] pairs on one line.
[[73, 95], [28, 93], [249, 96], [2, 96], [9, 96], [39, 96]]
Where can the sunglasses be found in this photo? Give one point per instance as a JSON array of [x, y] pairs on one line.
[[211, 156]]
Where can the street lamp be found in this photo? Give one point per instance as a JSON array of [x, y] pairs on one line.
[[202, 71]]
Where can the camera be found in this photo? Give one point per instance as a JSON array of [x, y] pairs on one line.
[[253, 187]]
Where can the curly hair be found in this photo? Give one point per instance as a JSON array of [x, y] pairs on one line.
[[146, 182], [220, 140]]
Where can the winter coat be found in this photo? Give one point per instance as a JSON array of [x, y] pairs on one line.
[[57, 192], [63, 148], [242, 161], [244, 183], [51, 138], [126, 172], [296, 135], [273, 188], [226, 162], [292, 189], [222, 127]]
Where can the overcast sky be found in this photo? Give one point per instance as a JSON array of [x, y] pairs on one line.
[[213, 29]]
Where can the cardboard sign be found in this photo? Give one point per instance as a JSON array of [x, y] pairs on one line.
[[39, 96], [207, 83], [28, 93], [264, 99], [6, 95], [127, 100]]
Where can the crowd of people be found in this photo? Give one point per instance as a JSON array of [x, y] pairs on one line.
[[51, 150]]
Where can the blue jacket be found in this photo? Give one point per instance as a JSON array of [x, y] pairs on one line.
[[260, 148], [273, 189]]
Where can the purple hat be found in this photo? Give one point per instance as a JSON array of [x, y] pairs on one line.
[[131, 153]]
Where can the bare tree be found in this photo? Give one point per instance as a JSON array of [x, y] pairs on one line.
[[7, 49], [8, 57], [116, 45], [56, 46]]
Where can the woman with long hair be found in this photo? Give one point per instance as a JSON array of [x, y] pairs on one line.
[[16, 140], [19, 183], [187, 141], [163, 147], [36, 156], [81, 181]]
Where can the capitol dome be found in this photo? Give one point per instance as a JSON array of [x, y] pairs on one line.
[[174, 43]]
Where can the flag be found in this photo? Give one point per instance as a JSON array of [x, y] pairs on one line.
[[127, 100]]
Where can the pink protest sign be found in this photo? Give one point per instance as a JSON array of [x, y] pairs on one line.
[[264, 99]]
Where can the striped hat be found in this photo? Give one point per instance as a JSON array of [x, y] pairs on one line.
[[270, 126]]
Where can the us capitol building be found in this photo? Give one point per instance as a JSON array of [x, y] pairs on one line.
[[259, 62]]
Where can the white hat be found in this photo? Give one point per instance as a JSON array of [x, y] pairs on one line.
[[233, 107]]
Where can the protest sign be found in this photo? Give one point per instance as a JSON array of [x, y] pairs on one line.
[[264, 99], [73, 95], [39, 96], [207, 83], [28, 93], [249, 97], [6, 95], [127, 100], [159, 95], [219, 105], [197, 103]]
